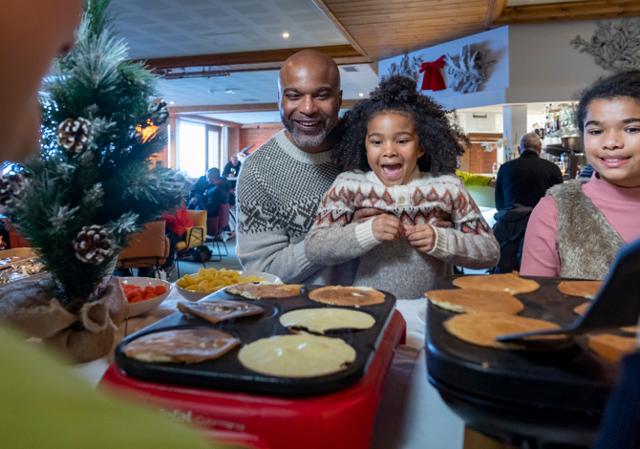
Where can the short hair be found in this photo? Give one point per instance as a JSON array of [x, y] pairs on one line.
[[530, 141], [437, 137], [214, 171], [623, 84]]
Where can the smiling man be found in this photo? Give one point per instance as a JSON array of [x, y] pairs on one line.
[[281, 184]]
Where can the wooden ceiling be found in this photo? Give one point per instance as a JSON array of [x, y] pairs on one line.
[[384, 28]]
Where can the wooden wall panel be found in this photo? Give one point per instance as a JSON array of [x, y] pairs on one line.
[[257, 135]]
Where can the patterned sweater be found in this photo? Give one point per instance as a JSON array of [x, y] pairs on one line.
[[396, 266], [278, 192]]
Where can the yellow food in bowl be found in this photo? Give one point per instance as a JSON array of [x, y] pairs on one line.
[[208, 280]]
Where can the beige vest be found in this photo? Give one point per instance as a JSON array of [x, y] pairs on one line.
[[586, 242]]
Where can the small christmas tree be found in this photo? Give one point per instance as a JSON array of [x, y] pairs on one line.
[[92, 184]]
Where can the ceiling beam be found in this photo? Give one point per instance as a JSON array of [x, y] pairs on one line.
[[583, 10], [248, 107], [252, 60], [322, 6], [210, 121], [494, 10]]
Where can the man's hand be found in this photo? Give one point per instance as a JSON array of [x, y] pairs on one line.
[[422, 236], [386, 227], [363, 214]]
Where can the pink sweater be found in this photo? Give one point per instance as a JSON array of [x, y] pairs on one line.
[[619, 205]]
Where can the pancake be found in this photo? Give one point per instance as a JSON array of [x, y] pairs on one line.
[[612, 347], [320, 320], [462, 300], [586, 289], [219, 310], [300, 355], [507, 282], [265, 291], [582, 308], [338, 295], [481, 329], [181, 346], [631, 329]]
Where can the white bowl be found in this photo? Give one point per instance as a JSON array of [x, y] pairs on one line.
[[138, 308], [268, 278]]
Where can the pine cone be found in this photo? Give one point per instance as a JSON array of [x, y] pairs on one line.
[[10, 187], [92, 244], [73, 134]]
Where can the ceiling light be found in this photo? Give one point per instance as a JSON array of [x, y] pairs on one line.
[[229, 91], [285, 35], [172, 102], [361, 94]]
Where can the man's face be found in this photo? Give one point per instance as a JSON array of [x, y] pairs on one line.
[[310, 99], [31, 34]]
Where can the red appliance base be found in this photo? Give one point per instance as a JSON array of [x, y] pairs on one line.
[[341, 420]]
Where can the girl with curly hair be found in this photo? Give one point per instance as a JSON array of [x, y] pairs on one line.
[[399, 152]]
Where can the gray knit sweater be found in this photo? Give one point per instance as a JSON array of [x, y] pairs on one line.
[[396, 266], [278, 192]]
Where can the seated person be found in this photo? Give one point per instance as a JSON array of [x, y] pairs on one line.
[[209, 192]]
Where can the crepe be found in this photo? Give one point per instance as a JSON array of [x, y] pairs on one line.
[[481, 329], [508, 282], [631, 329], [320, 320], [586, 289], [582, 308], [347, 296], [462, 300], [219, 310], [301, 355], [265, 291], [181, 346], [612, 347]]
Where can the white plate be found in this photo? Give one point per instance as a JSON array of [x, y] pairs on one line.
[[268, 278], [138, 308], [422, 315]]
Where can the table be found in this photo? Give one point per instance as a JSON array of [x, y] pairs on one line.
[[411, 416]]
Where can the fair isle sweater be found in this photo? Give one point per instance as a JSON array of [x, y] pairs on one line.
[[278, 192], [396, 266]]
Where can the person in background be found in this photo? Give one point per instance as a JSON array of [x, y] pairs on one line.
[[576, 230], [520, 185], [281, 183], [209, 192], [232, 168], [43, 404]]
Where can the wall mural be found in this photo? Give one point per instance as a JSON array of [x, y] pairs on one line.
[[614, 45], [407, 66], [467, 72]]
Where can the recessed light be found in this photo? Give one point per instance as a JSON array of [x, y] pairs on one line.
[[172, 102], [229, 91], [361, 94], [285, 35]]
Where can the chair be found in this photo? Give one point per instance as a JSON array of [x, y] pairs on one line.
[[148, 248], [215, 227], [194, 236]]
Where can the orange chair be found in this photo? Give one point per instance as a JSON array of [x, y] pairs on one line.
[[146, 248], [194, 236]]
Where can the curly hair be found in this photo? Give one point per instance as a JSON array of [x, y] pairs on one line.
[[437, 137], [623, 84]]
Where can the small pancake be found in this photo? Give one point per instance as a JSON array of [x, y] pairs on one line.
[[582, 308], [586, 289], [265, 291], [320, 320], [181, 346], [507, 282], [612, 347], [481, 329], [338, 295], [219, 310], [462, 300], [300, 355]]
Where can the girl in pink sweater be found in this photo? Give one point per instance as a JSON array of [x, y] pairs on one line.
[[577, 228]]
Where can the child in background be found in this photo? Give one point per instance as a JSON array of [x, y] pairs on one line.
[[577, 228], [401, 153]]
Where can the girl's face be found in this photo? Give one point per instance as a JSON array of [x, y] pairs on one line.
[[612, 139], [393, 147]]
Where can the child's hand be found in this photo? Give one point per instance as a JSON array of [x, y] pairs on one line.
[[361, 215], [386, 227], [422, 237]]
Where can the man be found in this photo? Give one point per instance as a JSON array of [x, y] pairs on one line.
[[520, 185], [43, 403], [281, 184], [232, 168], [209, 192]]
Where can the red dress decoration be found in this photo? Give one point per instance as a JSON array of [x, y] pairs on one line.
[[178, 223], [432, 79]]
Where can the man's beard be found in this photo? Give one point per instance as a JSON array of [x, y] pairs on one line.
[[306, 141]]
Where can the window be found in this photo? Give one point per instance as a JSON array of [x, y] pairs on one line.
[[198, 147]]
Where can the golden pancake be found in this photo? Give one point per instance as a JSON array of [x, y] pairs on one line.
[[612, 347], [582, 308], [181, 346], [320, 320], [587, 289], [265, 291], [219, 310], [338, 295], [481, 329], [631, 329], [462, 300], [300, 355], [508, 282]]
